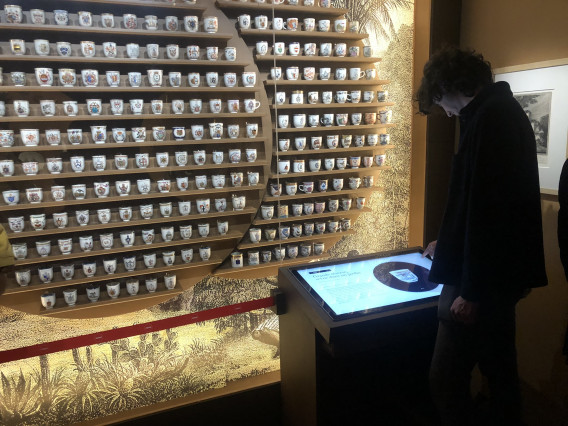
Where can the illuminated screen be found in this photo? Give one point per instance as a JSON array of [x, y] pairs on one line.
[[353, 288]]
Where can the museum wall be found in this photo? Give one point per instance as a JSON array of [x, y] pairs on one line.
[[511, 33]]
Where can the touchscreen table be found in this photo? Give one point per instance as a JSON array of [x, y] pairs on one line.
[[353, 288]]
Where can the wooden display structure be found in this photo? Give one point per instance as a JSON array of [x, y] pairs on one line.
[[264, 62], [27, 298]]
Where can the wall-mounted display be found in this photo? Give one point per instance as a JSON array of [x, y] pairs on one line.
[[131, 120], [123, 128], [330, 115]]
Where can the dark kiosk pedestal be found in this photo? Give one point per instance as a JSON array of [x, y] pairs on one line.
[[370, 369]]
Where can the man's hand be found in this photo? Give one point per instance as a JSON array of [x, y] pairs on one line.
[[464, 311], [430, 250]]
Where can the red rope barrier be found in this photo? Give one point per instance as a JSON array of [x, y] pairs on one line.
[[133, 330]]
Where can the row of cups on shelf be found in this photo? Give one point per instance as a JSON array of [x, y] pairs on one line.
[[333, 141], [327, 97], [262, 22], [297, 230], [110, 266], [320, 185], [286, 166], [132, 286], [203, 206], [31, 137], [324, 73], [60, 220], [144, 187], [130, 263], [124, 187], [329, 119], [109, 49], [308, 3], [14, 15], [290, 251], [95, 107], [77, 164], [326, 49], [308, 187], [127, 239], [307, 208], [90, 78]]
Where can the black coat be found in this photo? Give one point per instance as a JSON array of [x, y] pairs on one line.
[[563, 230], [563, 217], [490, 241]]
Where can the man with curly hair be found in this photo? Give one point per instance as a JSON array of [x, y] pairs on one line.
[[489, 250]]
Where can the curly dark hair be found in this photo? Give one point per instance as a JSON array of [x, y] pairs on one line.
[[452, 70]]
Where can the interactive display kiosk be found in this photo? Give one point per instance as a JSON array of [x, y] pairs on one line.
[[356, 334]]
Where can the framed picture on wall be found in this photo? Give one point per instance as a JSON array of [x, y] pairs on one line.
[[542, 91]]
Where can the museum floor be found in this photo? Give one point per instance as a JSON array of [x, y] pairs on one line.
[[258, 407], [261, 407]]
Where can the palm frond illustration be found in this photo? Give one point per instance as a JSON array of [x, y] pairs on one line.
[[375, 14]]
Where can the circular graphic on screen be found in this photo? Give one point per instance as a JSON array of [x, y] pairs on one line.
[[404, 276]]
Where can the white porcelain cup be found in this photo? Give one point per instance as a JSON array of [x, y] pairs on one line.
[[251, 105], [356, 73], [244, 21]]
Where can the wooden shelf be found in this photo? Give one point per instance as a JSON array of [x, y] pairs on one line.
[[345, 151], [308, 83], [346, 105], [279, 8], [76, 29], [106, 117], [129, 171], [314, 216], [328, 194], [359, 170], [284, 34], [131, 197], [113, 145], [121, 60], [94, 225], [333, 128], [58, 281], [266, 269], [139, 4], [139, 246], [326, 59], [121, 89], [247, 245]]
